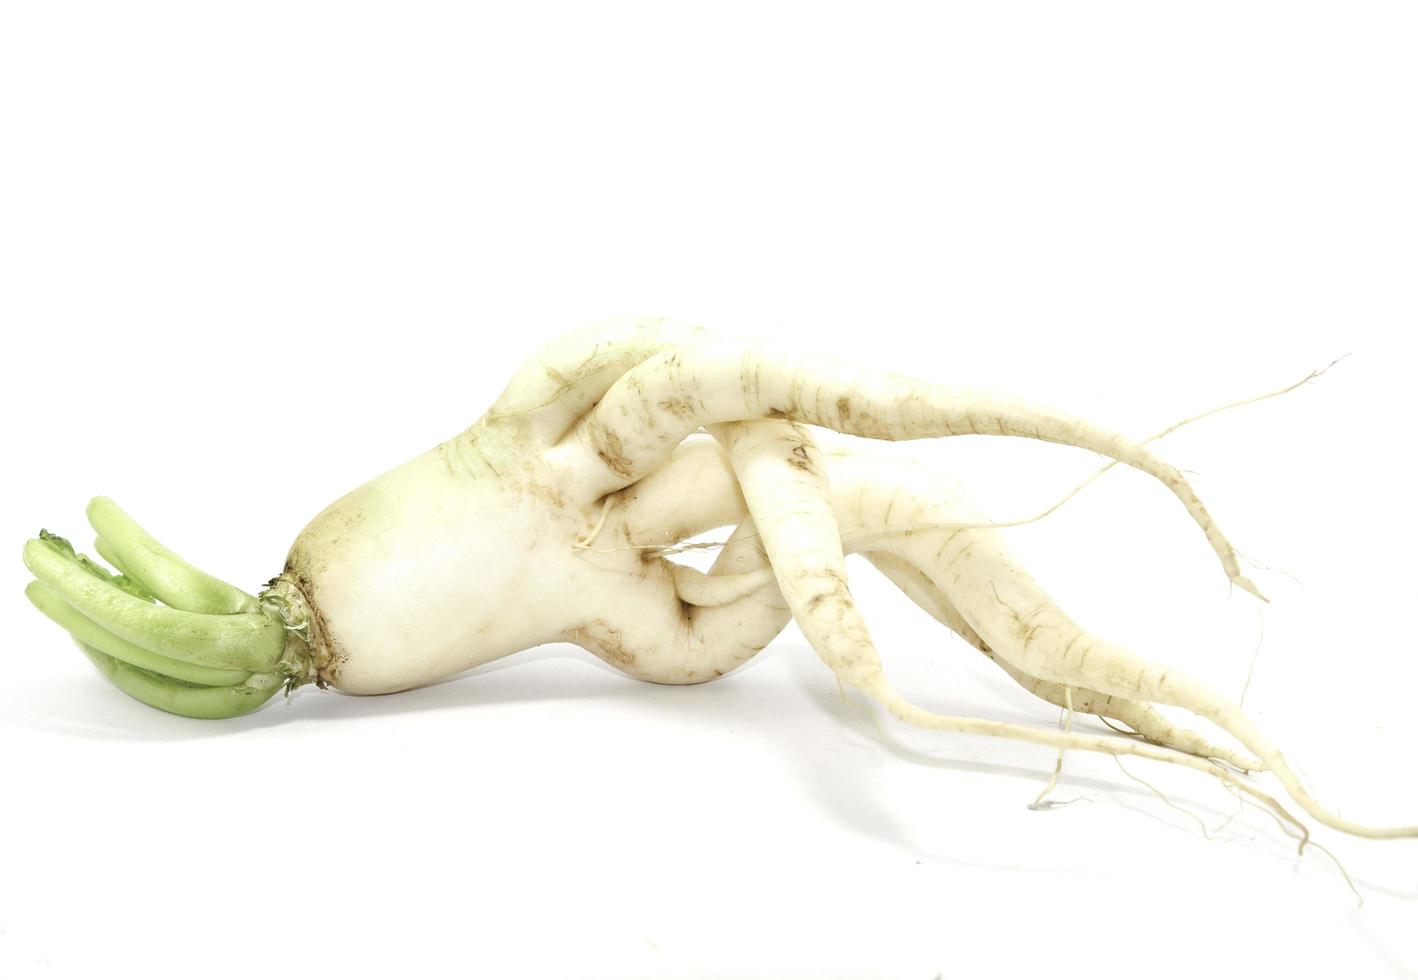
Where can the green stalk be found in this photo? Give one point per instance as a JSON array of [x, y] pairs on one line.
[[91, 634], [106, 552], [185, 699], [143, 558], [252, 642]]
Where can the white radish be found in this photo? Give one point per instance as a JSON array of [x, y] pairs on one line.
[[550, 520]]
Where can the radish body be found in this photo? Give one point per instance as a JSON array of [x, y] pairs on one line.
[[548, 520], [454, 559]]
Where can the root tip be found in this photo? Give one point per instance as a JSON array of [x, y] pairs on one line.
[[1244, 583]]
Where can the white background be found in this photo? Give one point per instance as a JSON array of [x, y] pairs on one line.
[[252, 255]]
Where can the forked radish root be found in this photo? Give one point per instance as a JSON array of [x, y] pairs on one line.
[[551, 519]]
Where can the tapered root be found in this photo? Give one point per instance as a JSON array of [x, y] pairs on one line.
[[785, 485], [784, 482], [1145, 721], [1024, 627], [966, 581], [656, 404]]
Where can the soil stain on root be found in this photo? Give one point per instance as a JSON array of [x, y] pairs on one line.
[[604, 640]]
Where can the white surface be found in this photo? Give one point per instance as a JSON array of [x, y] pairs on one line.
[[249, 260]]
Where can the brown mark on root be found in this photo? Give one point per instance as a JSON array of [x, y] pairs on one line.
[[547, 494], [1024, 629], [604, 640], [799, 459], [834, 592], [611, 451], [868, 426], [680, 408]]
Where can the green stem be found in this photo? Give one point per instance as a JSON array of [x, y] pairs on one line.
[[142, 557], [91, 634], [185, 699], [251, 642], [106, 552]]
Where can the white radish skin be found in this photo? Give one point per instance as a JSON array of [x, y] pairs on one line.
[[685, 627], [797, 526], [799, 531], [397, 598], [674, 641], [696, 492], [1019, 621], [491, 567], [784, 483], [561, 382], [1143, 719], [651, 409], [490, 519], [500, 516], [659, 511]]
